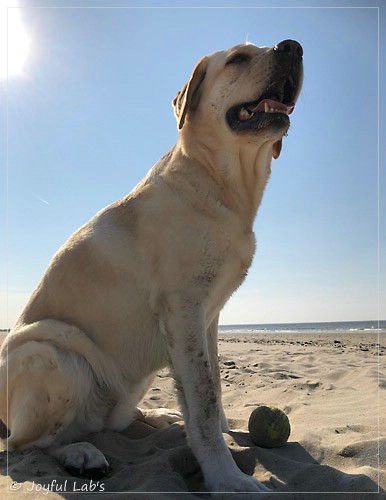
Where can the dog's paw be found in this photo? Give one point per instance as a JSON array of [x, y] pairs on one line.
[[237, 483], [160, 417], [83, 459]]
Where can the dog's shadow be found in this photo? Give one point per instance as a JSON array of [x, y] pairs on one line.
[[144, 459], [293, 469]]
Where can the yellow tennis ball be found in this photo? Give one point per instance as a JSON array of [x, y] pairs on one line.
[[269, 427]]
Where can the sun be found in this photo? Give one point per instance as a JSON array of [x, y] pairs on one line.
[[14, 40]]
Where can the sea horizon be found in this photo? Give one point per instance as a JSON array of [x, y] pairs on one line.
[[301, 327], [308, 327]]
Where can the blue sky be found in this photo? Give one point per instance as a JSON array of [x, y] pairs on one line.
[[92, 113]]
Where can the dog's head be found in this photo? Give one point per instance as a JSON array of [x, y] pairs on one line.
[[245, 92]]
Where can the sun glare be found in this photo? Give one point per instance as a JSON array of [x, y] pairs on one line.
[[14, 41]]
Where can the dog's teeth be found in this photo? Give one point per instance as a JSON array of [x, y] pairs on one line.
[[268, 109], [245, 114]]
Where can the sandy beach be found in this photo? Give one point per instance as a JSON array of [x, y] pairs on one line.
[[332, 387]]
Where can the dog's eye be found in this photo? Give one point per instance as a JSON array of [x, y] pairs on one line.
[[238, 58]]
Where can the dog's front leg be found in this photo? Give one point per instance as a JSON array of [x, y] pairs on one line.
[[212, 339], [185, 334]]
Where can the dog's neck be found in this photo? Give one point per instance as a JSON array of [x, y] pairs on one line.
[[250, 171], [241, 172]]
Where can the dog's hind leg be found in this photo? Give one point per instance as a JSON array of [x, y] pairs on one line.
[[38, 398], [159, 417], [54, 399], [126, 411], [81, 459], [49, 397]]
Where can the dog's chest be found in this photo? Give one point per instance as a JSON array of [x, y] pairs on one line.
[[237, 258]]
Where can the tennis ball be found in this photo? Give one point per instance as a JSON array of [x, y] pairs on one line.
[[269, 427]]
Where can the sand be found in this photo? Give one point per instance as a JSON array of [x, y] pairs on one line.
[[332, 387]]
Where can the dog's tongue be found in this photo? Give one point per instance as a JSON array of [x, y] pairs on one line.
[[276, 105]]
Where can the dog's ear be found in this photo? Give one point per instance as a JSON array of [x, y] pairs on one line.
[[276, 148], [188, 97]]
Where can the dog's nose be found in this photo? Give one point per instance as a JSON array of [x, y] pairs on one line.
[[291, 47]]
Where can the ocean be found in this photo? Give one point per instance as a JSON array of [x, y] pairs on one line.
[[309, 328]]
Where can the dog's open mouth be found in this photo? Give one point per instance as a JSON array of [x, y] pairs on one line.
[[272, 108]]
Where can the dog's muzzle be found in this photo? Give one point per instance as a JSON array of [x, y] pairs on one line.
[[277, 102]]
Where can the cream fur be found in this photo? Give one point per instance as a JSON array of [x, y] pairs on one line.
[[141, 286]]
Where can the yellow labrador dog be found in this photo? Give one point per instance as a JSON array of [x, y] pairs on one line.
[[141, 286]]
